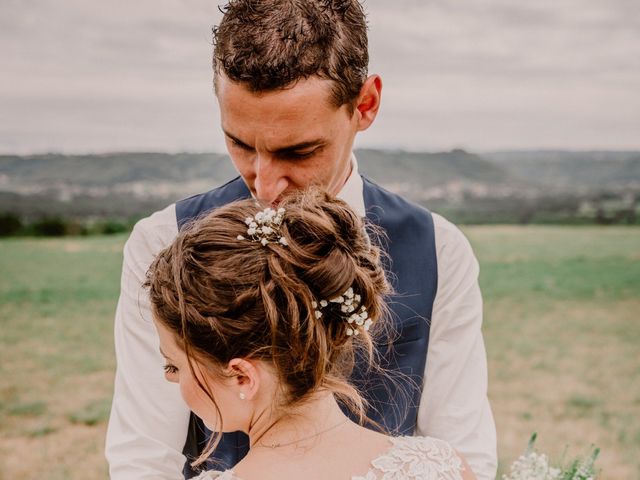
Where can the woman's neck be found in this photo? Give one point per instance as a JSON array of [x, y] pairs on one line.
[[300, 425]]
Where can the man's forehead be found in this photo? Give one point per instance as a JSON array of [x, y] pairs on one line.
[[297, 117], [311, 93]]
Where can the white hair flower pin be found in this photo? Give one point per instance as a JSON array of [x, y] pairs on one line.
[[353, 313], [265, 227]]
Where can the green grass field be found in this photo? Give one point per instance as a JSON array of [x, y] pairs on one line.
[[562, 331]]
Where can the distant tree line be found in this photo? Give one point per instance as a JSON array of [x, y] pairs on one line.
[[12, 225], [603, 209], [57, 194], [606, 209]]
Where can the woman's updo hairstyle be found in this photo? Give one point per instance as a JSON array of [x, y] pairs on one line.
[[225, 296]]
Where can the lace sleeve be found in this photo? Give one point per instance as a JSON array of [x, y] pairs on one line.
[[413, 458]]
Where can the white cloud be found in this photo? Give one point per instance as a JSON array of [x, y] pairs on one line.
[[92, 76]]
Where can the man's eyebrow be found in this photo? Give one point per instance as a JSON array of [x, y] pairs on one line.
[[234, 138], [317, 142]]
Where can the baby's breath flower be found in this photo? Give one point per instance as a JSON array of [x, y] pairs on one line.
[[264, 227], [535, 466], [348, 302]]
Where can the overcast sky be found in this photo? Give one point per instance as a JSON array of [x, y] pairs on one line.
[[94, 76]]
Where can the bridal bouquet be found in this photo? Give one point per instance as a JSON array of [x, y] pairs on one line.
[[535, 466]]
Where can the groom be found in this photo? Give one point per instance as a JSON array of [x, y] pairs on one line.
[[292, 84]]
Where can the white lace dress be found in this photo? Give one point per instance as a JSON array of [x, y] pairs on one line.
[[409, 458]]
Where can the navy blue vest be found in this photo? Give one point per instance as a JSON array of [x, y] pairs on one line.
[[410, 243]]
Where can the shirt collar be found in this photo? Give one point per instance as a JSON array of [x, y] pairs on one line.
[[352, 191]]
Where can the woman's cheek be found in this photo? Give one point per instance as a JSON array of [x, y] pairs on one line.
[[189, 395], [199, 403]]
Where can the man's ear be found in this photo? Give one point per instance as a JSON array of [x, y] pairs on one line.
[[246, 377], [368, 102]]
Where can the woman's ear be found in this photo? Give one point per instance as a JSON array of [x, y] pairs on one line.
[[246, 377]]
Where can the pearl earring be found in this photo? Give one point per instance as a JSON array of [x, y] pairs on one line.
[[242, 396]]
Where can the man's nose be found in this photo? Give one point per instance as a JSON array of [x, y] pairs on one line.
[[271, 179]]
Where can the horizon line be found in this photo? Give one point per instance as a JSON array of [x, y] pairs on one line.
[[392, 149]]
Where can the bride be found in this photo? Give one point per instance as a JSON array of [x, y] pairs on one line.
[[260, 314]]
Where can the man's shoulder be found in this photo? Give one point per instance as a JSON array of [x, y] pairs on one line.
[[160, 228], [397, 211], [455, 255], [377, 191], [445, 231], [448, 233], [191, 207], [153, 233], [234, 186]]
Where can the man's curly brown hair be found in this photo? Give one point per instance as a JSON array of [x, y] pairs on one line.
[[269, 45]]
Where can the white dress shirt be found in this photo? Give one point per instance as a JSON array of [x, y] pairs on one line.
[[149, 419]]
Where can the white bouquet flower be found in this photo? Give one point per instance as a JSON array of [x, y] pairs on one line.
[[532, 465]]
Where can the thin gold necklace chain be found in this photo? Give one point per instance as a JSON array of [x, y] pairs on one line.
[[278, 445]]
